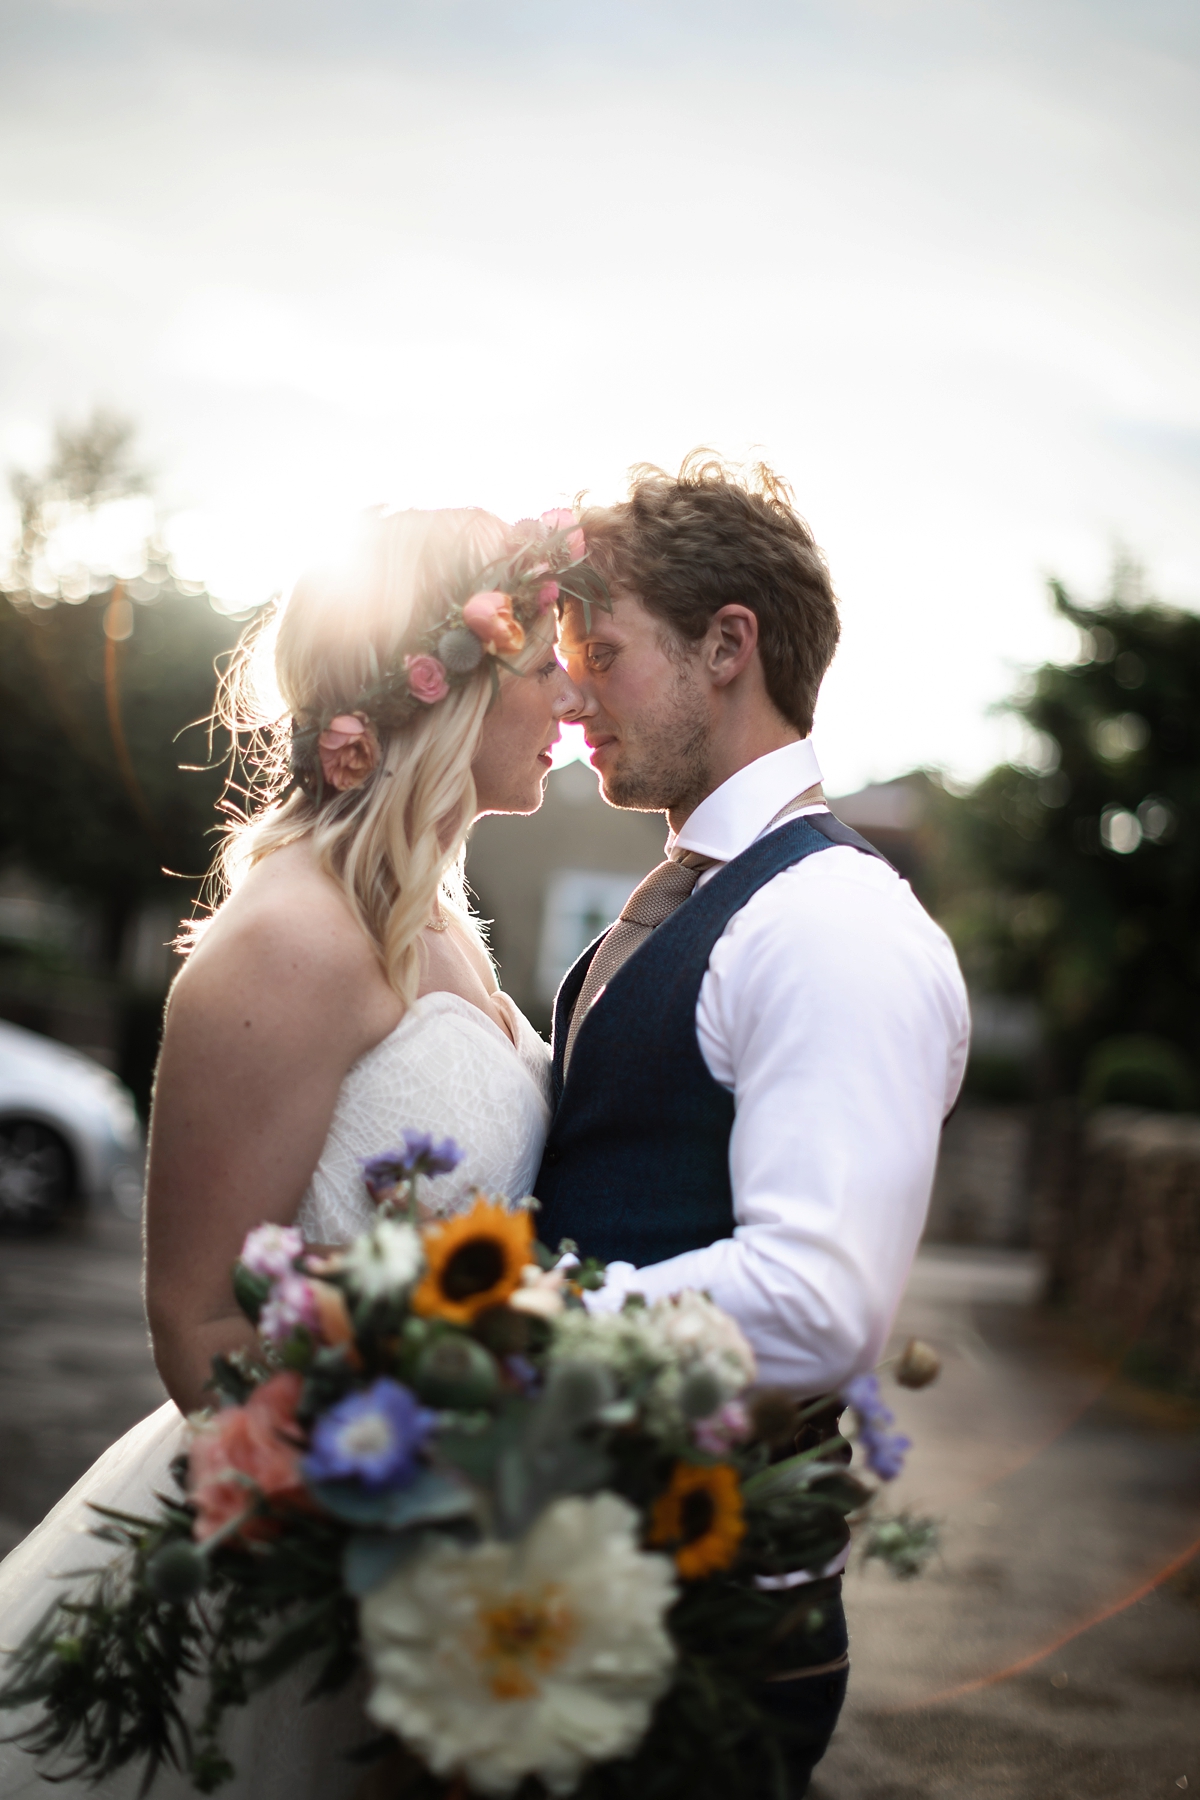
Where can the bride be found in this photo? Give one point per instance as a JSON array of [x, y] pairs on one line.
[[340, 994]]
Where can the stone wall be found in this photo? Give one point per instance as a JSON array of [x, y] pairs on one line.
[[1118, 1215], [981, 1193]]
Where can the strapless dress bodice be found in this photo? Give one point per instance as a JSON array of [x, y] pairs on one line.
[[449, 1069]]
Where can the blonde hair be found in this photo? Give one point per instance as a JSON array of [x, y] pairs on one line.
[[394, 845]]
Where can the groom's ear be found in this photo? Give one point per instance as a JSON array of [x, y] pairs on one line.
[[730, 644]]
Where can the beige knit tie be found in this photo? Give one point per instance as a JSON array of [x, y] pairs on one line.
[[662, 892]]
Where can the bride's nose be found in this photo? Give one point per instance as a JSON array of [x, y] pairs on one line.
[[569, 702]]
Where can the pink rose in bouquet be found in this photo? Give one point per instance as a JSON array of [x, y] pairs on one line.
[[248, 1453]]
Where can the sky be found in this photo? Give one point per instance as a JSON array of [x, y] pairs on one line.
[[935, 260]]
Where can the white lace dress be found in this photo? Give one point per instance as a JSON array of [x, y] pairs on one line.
[[447, 1068]]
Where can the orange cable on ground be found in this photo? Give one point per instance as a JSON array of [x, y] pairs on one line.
[[1028, 1662]]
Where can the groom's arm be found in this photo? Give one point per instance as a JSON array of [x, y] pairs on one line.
[[834, 1011]]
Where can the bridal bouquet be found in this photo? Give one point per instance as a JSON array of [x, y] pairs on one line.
[[541, 1532]]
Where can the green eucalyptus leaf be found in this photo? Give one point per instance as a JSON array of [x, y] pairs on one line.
[[475, 1452], [514, 1492], [371, 1556], [573, 1466], [430, 1497]]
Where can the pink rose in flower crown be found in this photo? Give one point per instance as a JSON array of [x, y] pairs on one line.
[[490, 617], [247, 1454], [547, 595], [426, 679], [349, 751]]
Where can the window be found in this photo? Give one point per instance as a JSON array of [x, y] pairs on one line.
[[579, 905]]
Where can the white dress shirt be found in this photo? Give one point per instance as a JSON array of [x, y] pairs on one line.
[[834, 1012]]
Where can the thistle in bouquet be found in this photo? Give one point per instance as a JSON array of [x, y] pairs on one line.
[[542, 1533]]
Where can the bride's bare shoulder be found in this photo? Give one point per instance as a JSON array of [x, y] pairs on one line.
[[287, 939]]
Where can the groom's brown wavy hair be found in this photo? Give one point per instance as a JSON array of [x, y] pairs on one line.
[[716, 536]]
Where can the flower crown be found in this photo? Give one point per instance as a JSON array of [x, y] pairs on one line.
[[485, 621]]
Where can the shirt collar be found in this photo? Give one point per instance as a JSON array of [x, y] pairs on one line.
[[733, 815]]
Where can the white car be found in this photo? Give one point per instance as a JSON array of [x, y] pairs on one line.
[[69, 1132]]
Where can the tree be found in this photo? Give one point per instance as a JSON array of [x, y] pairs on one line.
[[105, 685], [1090, 854]]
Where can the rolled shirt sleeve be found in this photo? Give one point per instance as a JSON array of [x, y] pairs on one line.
[[834, 1011]]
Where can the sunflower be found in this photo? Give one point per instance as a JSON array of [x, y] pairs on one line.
[[473, 1262], [700, 1518]]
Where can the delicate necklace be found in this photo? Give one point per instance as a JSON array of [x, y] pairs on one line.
[[436, 924]]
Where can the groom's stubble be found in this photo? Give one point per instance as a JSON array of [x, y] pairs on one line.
[[663, 764]]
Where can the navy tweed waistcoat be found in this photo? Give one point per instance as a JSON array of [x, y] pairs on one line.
[[636, 1166]]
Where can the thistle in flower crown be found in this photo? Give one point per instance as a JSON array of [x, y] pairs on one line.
[[484, 621]]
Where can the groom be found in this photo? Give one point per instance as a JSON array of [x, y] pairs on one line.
[[753, 1065]]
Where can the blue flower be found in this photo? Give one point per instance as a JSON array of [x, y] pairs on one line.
[[374, 1436], [440, 1159], [885, 1449], [863, 1395], [418, 1155], [526, 1375]]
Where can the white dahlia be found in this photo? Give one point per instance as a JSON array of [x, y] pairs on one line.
[[537, 1658]]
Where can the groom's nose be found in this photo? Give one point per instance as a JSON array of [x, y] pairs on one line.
[[570, 703], [583, 704]]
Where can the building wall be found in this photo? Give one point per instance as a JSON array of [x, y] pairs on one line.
[[550, 882]]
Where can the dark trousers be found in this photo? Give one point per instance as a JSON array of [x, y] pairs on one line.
[[811, 1657]]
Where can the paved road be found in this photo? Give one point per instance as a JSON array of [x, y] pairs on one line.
[[1061, 1494], [75, 1365]]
